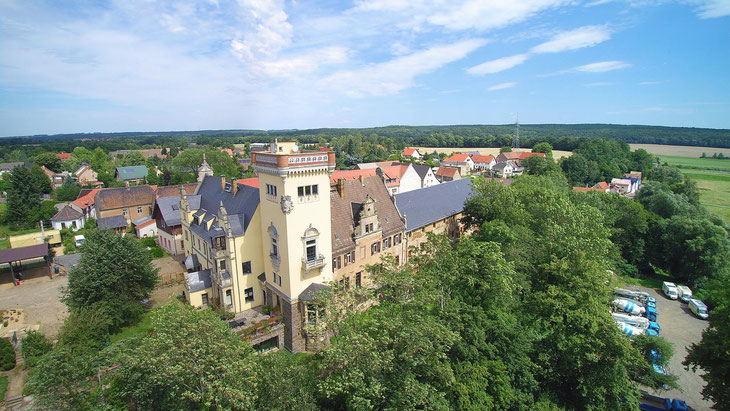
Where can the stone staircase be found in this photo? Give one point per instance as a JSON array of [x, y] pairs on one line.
[[14, 403]]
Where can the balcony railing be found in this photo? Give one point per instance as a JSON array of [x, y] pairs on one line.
[[220, 253], [310, 264], [223, 278]]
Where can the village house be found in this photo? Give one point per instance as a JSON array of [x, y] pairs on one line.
[[462, 161], [446, 174], [483, 163], [426, 175], [441, 215], [506, 169], [516, 157], [365, 226], [624, 186], [86, 175], [63, 156], [131, 174], [398, 177], [84, 203], [132, 203], [602, 186], [411, 153], [116, 222], [68, 217]]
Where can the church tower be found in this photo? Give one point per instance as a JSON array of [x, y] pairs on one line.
[[295, 230]]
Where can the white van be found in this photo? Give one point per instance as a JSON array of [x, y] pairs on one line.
[[670, 290], [698, 308], [685, 294], [79, 240]]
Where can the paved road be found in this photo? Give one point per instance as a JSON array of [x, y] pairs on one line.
[[682, 328]]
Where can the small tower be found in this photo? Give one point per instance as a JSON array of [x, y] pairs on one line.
[[516, 139], [204, 170]]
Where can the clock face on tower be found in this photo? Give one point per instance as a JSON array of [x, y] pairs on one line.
[[286, 204]]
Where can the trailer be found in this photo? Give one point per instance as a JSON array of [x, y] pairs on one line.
[[633, 320], [650, 402], [629, 330]]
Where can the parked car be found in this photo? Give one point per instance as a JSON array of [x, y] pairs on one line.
[[699, 309], [685, 294], [79, 240], [670, 290]]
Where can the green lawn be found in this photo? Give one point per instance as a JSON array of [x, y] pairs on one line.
[[3, 387], [695, 162], [144, 325]]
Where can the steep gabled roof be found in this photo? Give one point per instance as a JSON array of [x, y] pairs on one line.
[[169, 210], [447, 171], [458, 157], [428, 205], [341, 207], [421, 169], [478, 158], [408, 151], [240, 207], [87, 199]]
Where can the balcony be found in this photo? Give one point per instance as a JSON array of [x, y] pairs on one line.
[[222, 278], [220, 253], [310, 264]]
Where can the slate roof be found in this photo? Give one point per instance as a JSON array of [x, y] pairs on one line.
[[67, 213], [132, 172], [116, 221], [169, 210], [306, 295], [428, 205], [343, 209], [191, 261], [119, 197], [141, 220], [169, 191], [199, 281], [421, 169], [239, 207], [11, 166]]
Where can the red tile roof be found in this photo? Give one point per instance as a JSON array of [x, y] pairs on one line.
[[227, 151], [478, 158], [174, 190], [87, 200], [251, 182], [526, 154], [603, 185], [458, 157], [394, 172], [447, 171], [351, 174], [63, 156], [146, 223], [408, 151]]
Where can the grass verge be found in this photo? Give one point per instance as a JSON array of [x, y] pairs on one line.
[[3, 387], [144, 325]]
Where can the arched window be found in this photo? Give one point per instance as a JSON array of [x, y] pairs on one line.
[[310, 237]]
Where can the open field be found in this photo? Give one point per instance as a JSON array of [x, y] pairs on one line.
[[683, 151], [693, 162], [557, 154], [714, 190]]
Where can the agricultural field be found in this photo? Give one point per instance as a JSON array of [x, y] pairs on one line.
[[494, 151], [714, 190], [680, 151], [695, 162]]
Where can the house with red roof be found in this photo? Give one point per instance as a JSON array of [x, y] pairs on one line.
[[462, 161], [446, 174], [63, 156], [411, 153], [483, 163], [352, 174], [84, 203]]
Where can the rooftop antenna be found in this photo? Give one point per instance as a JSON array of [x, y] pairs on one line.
[[516, 139]]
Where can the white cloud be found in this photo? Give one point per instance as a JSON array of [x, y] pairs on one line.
[[602, 66], [599, 84], [502, 86], [392, 76], [587, 36], [713, 8], [302, 64], [649, 83], [495, 66], [272, 33]]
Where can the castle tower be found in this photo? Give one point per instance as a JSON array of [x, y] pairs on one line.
[[295, 230], [204, 170]]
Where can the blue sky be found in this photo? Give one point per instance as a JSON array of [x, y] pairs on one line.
[[145, 65]]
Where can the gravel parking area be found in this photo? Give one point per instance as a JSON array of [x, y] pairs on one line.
[[39, 298], [682, 328]]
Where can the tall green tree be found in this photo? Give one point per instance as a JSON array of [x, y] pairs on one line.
[[23, 199], [189, 360], [114, 275], [41, 181], [50, 160]]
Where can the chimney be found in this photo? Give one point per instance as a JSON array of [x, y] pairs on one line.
[[235, 186], [341, 187], [223, 183]]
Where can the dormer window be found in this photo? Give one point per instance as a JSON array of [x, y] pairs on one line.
[[369, 228]]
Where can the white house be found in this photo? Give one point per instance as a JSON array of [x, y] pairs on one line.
[[462, 161], [413, 153], [410, 179], [428, 178], [505, 168], [145, 226], [67, 217], [483, 163]]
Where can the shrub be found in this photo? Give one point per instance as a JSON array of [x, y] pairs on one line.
[[157, 252], [35, 344], [148, 242], [7, 355]]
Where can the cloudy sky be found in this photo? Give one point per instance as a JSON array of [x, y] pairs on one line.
[[146, 65]]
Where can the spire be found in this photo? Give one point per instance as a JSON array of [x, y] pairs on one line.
[[204, 170]]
